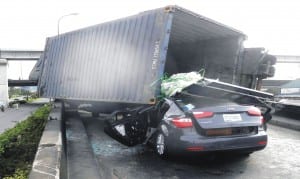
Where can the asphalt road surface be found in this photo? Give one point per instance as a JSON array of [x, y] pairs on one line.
[[280, 159], [11, 116]]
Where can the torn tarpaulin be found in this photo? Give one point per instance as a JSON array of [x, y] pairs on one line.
[[177, 82]]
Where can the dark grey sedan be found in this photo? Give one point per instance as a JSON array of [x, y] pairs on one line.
[[191, 124], [209, 117]]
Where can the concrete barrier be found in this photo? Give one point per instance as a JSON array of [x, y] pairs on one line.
[[50, 159], [286, 123]]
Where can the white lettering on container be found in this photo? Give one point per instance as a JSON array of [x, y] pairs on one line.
[[155, 55]]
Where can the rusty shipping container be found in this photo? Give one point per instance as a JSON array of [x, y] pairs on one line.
[[123, 60]]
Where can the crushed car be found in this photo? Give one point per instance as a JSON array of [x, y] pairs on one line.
[[202, 116]]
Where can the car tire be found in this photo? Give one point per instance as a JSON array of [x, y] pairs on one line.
[[160, 145]]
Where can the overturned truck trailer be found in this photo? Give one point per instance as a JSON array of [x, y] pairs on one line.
[[122, 61]]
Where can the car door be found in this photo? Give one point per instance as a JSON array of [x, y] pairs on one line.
[[128, 127]]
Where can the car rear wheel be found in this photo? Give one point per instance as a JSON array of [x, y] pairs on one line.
[[160, 145]]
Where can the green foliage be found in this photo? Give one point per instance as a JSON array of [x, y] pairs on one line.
[[19, 174], [18, 145]]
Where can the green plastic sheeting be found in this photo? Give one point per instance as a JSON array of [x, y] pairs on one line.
[[177, 82]]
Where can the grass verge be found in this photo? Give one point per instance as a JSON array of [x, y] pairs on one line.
[[18, 145]]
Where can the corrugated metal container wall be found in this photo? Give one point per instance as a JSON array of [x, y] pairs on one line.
[[107, 62]]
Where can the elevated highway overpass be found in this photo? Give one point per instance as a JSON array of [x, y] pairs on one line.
[[20, 54], [9, 55], [22, 83]]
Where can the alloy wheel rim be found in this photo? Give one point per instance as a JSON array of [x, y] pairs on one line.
[[160, 144]]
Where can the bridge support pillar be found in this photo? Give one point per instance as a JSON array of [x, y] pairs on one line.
[[3, 81]]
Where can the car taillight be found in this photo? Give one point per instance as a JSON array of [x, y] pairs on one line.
[[182, 122], [204, 114], [254, 112], [262, 142]]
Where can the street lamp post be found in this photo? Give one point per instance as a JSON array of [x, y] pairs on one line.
[[58, 22]]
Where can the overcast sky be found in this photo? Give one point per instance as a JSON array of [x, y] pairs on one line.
[[273, 24]]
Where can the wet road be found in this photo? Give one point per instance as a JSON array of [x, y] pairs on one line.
[[11, 116], [280, 159]]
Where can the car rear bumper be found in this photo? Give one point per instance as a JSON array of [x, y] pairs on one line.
[[196, 143]]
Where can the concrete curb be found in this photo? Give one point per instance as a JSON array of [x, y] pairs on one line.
[[81, 161], [50, 158]]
